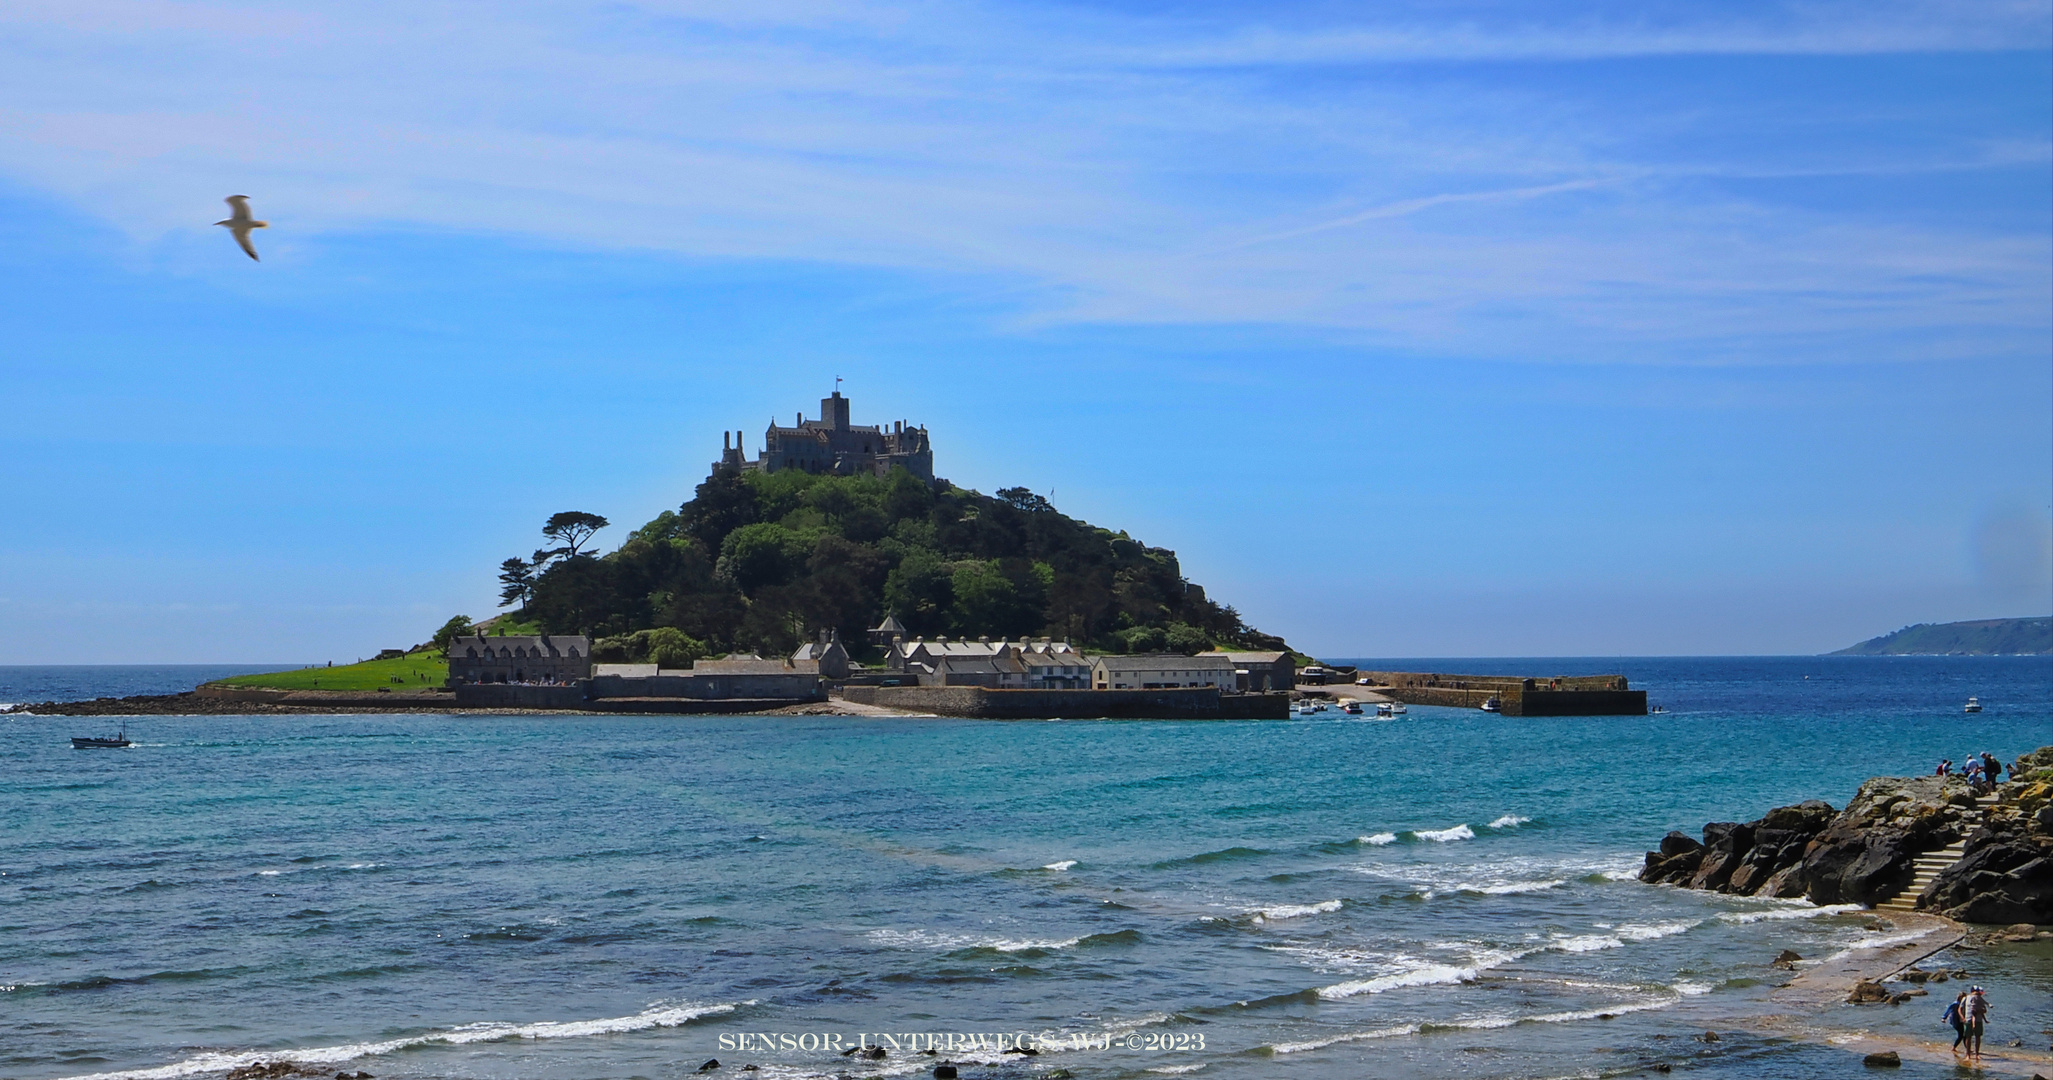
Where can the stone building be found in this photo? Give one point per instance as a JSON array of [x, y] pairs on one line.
[[833, 445], [828, 653], [1167, 671], [546, 658], [1260, 672]]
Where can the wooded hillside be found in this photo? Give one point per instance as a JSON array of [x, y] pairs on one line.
[[763, 561]]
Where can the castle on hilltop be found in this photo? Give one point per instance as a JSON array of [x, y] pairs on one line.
[[832, 445]]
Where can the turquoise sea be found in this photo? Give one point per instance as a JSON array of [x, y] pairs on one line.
[[1447, 894]]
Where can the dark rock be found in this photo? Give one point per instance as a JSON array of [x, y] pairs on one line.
[[1676, 843], [1913, 975], [1807, 817], [874, 1053], [1867, 992], [1059, 1074], [1787, 956], [710, 1065], [1673, 871], [1025, 1050], [1887, 1059], [944, 1072], [1710, 1036], [2023, 931]]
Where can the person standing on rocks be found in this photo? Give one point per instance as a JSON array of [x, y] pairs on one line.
[[1977, 1020]]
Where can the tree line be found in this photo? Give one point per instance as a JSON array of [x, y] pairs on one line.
[[760, 562]]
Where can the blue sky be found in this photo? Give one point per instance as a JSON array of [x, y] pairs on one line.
[[1513, 329]]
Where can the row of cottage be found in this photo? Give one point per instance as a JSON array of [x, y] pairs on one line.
[[1001, 665]]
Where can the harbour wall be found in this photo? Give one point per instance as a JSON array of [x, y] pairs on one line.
[[982, 703], [1573, 695]]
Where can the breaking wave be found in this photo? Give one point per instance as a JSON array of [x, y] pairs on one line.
[[1510, 821], [1442, 836], [1294, 911], [656, 1017]]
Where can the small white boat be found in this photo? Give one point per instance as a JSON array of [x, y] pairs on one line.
[[1304, 708], [1352, 708], [1974, 704], [1384, 708], [1493, 705], [1397, 708]]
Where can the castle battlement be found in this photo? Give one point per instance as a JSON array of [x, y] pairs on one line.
[[832, 445]]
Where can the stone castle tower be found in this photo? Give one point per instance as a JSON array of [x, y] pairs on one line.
[[832, 445]]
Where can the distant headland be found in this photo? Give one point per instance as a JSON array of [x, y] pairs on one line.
[[1980, 637]]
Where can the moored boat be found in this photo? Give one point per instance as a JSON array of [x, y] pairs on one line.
[[1492, 705], [1352, 708], [1974, 704], [1384, 708]]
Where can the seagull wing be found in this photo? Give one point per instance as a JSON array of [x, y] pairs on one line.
[[238, 207], [242, 237]]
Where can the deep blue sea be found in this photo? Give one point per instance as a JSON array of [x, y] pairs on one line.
[[1446, 894]]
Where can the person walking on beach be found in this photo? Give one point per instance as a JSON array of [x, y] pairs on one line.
[[1977, 1020], [1956, 1015]]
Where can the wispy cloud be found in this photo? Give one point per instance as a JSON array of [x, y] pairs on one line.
[[1102, 167]]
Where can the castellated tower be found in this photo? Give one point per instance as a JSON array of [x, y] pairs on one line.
[[833, 445]]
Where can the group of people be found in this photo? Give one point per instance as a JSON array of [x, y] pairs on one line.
[[1969, 1015], [1982, 771]]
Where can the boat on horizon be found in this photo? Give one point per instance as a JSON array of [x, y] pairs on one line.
[[94, 742], [1974, 704]]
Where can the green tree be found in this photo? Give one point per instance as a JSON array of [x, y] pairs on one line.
[[986, 601], [516, 583], [456, 627], [1186, 639], [921, 592], [762, 554], [570, 529], [669, 647]]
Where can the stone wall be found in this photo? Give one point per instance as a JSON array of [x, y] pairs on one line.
[[518, 696], [981, 703], [1515, 701], [786, 685]]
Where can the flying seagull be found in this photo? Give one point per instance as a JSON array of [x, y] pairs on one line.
[[240, 224]]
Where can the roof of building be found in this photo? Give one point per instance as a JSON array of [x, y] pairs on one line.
[[475, 645], [756, 666], [1252, 657], [890, 625], [813, 650], [979, 665]]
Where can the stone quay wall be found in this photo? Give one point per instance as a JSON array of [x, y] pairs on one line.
[[1518, 702], [518, 696], [979, 702]]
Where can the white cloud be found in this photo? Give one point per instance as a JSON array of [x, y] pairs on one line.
[[1105, 168]]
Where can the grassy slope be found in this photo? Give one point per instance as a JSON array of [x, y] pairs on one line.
[[418, 671]]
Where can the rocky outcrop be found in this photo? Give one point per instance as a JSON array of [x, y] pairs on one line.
[[1866, 853], [2006, 873]]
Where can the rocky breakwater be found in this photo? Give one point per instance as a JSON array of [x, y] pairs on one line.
[[2005, 875], [1866, 853]]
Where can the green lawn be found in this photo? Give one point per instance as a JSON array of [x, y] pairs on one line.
[[418, 671]]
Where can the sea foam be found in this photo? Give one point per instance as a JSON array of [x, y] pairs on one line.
[[1442, 836], [1510, 821], [1295, 911], [654, 1017]]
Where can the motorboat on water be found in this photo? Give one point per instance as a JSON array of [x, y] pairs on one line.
[[1397, 708], [1974, 705], [1305, 707], [91, 742], [1384, 708], [1492, 705], [1352, 708]]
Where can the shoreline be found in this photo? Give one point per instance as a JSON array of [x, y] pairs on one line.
[[345, 702], [1820, 991]]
